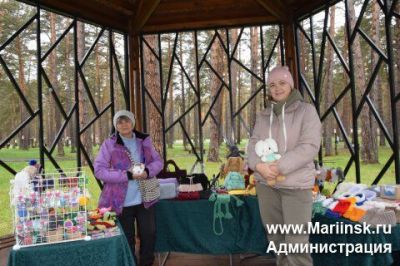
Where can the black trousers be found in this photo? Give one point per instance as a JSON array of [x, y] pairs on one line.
[[146, 225]]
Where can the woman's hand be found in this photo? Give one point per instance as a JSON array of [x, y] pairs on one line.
[[268, 170], [143, 175]]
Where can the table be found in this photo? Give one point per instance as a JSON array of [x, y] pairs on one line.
[[186, 226], [107, 251]]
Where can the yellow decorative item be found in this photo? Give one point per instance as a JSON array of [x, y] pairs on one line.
[[251, 188], [238, 192], [83, 201]]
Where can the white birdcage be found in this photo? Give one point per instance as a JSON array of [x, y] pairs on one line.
[[50, 208]]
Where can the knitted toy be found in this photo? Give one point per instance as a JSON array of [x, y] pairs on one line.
[[267, 150], [233, 164], [137, 168], [330, 175], [235, 161], [234, 180], [22, 181], [222, 200]]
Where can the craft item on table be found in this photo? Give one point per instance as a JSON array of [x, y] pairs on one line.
[[194, 195], [168, 173], [326, 175], [319, 197], [190, 188], [168, 188], [196, 178], [348, 188], [354, 213], [22, 183], [267, 150], [222, 201], [318, 208], [235, 161], [327, 202], [390, 192], [83, 201], [331, 214], [234, 180], [375, 216], [47, 215], [100, 219], [343, 205], [360, 197]]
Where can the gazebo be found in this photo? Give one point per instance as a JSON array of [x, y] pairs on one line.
[[137, 19]]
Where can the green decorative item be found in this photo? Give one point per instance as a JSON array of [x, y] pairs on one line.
[[234, 180], [222, 200]]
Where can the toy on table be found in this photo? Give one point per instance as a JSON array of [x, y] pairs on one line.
[[326, 174], [102, 223]]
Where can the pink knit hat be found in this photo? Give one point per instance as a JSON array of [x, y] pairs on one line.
[[280, 73]]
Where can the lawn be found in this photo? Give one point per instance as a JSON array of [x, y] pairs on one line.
[[18, 159]]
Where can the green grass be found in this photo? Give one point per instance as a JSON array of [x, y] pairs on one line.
[[18, 159]]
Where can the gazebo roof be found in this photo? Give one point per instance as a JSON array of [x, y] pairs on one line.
[[134, 16]]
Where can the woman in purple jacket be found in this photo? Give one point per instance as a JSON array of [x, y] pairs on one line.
[[121, 189]]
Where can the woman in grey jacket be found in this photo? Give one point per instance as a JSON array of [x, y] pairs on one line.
[[296, 128]]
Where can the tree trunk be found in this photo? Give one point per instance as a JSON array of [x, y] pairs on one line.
[[152, 77], [70, 91], [216, 62], [183, 103], [234, 88], [377, 85], [97, 136], [239, 91], [369, 148], [254, 68], [328, 97], [346, 107], [196, 123], [54, 82], [170, 99], [24, 135], [83, 99]]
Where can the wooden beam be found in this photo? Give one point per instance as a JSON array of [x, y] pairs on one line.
[[143, 13], [134, 78], [310, 7], [124, 6], [88, 11], [290, 51], [275, 8], [208, 24]]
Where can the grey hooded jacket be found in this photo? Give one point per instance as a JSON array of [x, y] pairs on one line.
[[301, 139]]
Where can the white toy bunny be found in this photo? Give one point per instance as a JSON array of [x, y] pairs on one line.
[[267, 150]]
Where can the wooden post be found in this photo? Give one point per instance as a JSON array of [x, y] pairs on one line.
[[134, 80], [290, 50]]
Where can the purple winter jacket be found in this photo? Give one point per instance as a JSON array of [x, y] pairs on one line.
[[111, 167]]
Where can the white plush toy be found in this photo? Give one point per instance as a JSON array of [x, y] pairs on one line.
[[267, 150], [137, 168], [22, 182]]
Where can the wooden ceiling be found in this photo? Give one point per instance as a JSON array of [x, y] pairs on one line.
[[146, 16]]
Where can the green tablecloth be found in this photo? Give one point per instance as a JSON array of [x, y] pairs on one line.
[[187, 226], [107, 251]]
